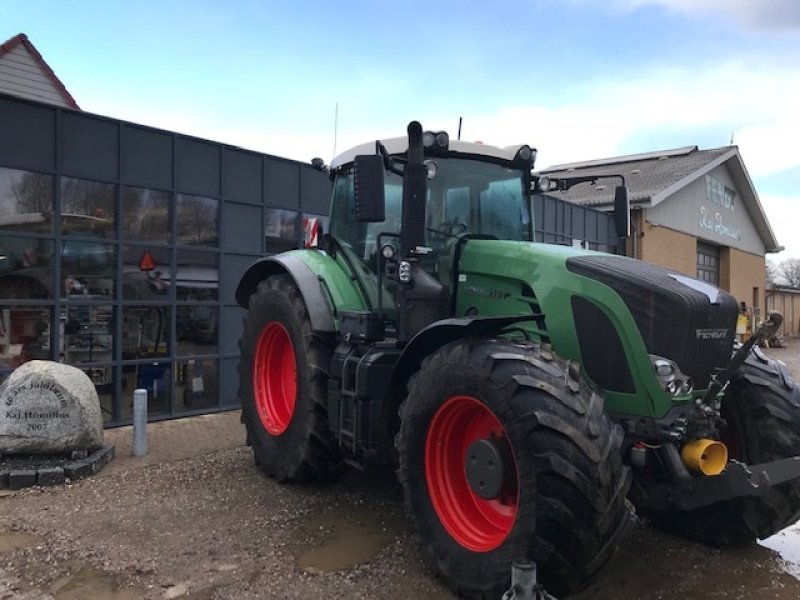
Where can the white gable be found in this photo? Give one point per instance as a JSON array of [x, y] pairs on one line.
[[22, 75], [712, 208]]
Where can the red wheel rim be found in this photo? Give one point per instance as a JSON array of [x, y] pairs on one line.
[[475, 523], [275, 378]]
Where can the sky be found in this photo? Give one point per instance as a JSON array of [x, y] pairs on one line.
[[577, 79]]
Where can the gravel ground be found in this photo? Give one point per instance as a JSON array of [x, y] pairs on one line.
[[214, 528]]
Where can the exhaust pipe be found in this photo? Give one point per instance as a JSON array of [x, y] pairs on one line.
[[707, 457]]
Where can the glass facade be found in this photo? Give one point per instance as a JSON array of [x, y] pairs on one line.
[[121, 256]]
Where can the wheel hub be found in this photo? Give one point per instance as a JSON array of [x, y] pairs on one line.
[[489, 466]]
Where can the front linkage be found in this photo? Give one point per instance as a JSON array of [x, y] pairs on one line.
[[685, 492]]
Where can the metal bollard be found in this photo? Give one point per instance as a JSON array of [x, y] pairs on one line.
[[139, 422], [523, 583]]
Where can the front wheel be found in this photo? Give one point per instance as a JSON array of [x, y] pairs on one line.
[[283, 385], [506, 455]]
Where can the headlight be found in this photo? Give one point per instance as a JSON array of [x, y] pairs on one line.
[[670, 377], [404, 271]]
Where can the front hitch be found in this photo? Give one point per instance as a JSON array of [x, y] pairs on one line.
[[738, 480], [765, 330]]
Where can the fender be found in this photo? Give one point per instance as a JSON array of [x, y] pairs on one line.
[[319, 308], [427, 341]]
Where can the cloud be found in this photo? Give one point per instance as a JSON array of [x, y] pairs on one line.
[[783, 213], [750, 14], [609, 118]]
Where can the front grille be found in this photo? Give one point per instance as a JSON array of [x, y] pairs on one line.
[[680, 318]]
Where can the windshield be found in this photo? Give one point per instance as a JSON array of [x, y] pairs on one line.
[[465, 197]]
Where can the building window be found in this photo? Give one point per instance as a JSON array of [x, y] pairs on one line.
[[197, 220], [196, 384], [156, 379], [87, 208], [88, 269], [88, 334], [197, 276], [708, 263], [281, 229], [26, 271], [24, 335], [145, 332], [26, 201], [196, 329], [146, 273], [146, 215]]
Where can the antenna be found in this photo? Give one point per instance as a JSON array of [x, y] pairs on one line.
[[460, 119], [732, 132], [335, 127]]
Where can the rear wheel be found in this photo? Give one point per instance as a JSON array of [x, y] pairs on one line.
[[762, 408], [283, 382], [506, 455]]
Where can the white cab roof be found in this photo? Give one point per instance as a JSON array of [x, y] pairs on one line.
[[399, 145]]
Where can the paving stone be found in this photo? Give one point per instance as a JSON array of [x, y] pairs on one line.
[[78, 469], [51, 476], [21, 478]]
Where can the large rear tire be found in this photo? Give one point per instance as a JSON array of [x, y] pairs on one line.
[[562, 499], [283, 375], [762, 408]]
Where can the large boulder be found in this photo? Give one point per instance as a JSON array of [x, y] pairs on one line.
[[49, 407]]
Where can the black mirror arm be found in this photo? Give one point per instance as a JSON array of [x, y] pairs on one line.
[[567, 182], [388, 161]]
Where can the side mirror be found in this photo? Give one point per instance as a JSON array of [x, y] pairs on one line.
[[370, 200], [622, 211]]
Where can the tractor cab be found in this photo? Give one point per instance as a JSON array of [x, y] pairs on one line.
[[462, 191]]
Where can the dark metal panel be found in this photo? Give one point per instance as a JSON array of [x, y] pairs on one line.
[[231, 329], [241, 176], [231, 271], [315, 191], [549, 221], [281, 183], [89, 147], [604, 231], [27, 135], [230, 384], [591, 226], [147, 157], [578, 222], [243, 230], [558, 221], [197, 167]]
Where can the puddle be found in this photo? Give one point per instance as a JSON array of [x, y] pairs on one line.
[[88, 583], [341, 539], [13, 541], [787, 544]]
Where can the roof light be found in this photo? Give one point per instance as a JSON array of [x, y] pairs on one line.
[[436, 140], [525, 155], [544, 184]]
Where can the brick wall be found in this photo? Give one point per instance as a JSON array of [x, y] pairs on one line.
[[667, 248], [739, 272]]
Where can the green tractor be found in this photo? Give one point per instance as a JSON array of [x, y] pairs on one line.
[[529, 395]]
